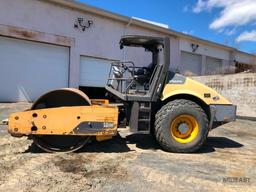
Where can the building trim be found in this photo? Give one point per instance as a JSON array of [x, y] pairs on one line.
[[26, 34], [96, 57], [97, 11]]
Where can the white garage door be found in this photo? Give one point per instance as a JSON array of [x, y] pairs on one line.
[[94, 72], [213, 66], [191, 63], [28, 69]]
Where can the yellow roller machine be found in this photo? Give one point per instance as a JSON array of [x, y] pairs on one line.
[[177, 110]]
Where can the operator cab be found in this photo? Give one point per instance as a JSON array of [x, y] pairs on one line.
[[132, 83]]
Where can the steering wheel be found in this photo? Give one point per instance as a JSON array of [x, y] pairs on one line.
[[121, 69]]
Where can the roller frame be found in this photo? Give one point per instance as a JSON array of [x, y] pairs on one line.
[[94, 120]]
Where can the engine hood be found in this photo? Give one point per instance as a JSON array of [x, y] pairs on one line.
[[179, 84]]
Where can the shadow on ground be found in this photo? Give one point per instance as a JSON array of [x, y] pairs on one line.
[[219, 142], [142, 141], [115, 145]]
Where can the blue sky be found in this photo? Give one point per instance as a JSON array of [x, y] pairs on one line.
[[229, 22]]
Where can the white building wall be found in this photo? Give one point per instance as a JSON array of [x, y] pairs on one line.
[[185, 45], [245, 58], [100, 40]]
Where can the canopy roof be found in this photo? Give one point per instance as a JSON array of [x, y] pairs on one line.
[[140, 41]]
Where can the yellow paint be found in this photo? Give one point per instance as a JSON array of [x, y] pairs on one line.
[[194, 88], [100, 102], [62, 120], [103, 138], [191, 133]]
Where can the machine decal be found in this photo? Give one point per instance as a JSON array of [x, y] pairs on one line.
[[92, 127], [207, 95], [175, 78]]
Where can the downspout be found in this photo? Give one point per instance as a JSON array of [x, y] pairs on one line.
[[124, 33]]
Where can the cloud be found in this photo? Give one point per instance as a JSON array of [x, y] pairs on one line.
[[234, 12], [230, 31], [203, 5], [200, 6], [247, 36]]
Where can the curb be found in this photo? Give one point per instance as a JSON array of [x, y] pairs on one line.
[[246, 118]]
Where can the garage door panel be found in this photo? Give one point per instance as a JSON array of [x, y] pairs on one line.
[[28, 69], [191, 63], [94, 72], [213, 66]]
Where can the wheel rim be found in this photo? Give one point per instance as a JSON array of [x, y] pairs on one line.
[[184, 128]]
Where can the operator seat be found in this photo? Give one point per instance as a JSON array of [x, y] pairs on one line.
[[143, 75]]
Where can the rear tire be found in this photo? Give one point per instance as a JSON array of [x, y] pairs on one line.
[[181, 126]]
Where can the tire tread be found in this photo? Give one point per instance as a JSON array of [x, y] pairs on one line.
[[161, 115]]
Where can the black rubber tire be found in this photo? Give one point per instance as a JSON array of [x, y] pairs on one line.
[[168, 113]]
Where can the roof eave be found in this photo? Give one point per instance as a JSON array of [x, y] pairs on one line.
[[93, 10]]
